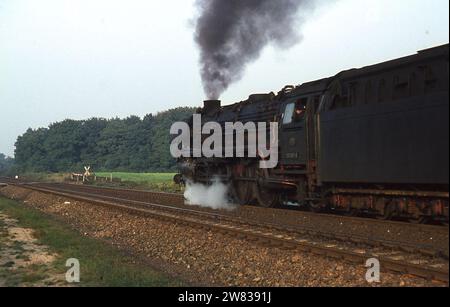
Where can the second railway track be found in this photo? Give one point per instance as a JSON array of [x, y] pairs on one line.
[[430, 239], [424, 260]]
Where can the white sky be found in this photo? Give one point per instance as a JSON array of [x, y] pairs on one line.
[[78, 59]]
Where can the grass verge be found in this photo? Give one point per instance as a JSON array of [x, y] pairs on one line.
[[101, 264], [160, 182], [140, 177]]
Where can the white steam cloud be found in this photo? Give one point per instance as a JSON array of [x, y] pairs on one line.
[[214, 196]]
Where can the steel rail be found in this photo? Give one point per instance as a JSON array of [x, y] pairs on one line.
[[299, 229], [241, 230], [180, 198]]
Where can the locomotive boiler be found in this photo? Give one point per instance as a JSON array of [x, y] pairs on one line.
[[368, 141]]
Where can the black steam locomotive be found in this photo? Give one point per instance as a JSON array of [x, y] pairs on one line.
[[373, 140]]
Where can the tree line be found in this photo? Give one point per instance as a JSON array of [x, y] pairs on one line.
[[6, 163], [131, 144]]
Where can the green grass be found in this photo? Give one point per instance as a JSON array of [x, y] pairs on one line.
[[101, 264], [162, 182], [141, 177]]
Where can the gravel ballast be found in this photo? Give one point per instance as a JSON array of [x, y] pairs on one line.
[[204, 257]]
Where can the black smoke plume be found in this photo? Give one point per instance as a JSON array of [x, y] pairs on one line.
[[232, 33]]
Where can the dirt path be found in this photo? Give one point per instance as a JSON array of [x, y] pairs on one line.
[[23, 261]]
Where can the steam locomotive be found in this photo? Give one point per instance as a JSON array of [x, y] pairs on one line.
[[371, 141]]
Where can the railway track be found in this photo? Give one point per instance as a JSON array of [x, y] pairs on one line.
[[425, 239], [399, 256]]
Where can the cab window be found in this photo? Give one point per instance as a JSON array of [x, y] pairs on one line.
[[289, 113], [295, 111]]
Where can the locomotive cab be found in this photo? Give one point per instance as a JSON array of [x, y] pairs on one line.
[[293, 137]]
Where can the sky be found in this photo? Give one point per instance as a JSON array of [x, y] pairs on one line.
[[79, 59]]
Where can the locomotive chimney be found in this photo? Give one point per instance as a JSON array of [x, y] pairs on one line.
[[211, 105]]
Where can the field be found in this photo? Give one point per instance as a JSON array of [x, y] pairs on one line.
[[162, 182], [140, 177]]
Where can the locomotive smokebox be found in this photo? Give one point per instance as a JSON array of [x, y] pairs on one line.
[[211, 105]]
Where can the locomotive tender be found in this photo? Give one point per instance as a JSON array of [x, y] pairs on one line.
[[373, 140]]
